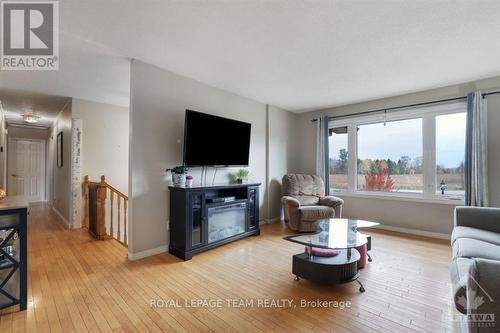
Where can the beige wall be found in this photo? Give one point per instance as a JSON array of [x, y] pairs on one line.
[[281, 154], [158, 102], [421, 216], [27, 133], [59, 182], [105, 140]]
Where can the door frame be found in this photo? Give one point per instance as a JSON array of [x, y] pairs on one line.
[[44, 164]]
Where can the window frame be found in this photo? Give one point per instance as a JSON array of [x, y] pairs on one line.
[[428, 115]]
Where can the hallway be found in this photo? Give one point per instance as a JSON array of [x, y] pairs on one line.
[[81, 285], [63, 266]]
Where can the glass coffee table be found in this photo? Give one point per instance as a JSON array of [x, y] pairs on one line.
[[332, 254]]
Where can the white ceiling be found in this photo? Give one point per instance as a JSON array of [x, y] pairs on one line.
[[16, 103], [298, 55], [87, 70]]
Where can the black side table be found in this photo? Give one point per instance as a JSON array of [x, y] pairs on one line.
[[13, 257]]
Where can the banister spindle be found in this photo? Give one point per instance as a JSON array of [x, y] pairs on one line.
[[111, 195], [102, 190], [125, 221], [118, 234]]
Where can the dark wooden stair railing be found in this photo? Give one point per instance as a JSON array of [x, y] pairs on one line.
[[95, 210]]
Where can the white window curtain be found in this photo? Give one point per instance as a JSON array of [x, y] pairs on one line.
[[476, 152], [322, 157]]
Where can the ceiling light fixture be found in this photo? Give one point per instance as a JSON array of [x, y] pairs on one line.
[[31, 118]]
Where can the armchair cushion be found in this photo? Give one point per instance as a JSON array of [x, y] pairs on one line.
[[313, 213], [330, 201], [308, 200], [298, 185]]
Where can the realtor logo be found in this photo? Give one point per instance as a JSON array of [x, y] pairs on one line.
[[29, 35]]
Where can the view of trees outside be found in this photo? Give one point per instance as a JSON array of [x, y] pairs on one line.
[[337, 144], [390, 155], [405, 174], [450, 152]]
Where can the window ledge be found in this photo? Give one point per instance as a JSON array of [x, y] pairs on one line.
[[400, 197]]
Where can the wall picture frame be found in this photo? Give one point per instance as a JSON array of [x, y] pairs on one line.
[[60, 150]]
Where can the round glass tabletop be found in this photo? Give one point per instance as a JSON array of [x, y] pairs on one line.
[[335, 234]]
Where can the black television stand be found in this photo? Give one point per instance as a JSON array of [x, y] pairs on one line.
[[200, 220]]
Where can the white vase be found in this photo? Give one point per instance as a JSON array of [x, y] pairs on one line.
[[179, 179]]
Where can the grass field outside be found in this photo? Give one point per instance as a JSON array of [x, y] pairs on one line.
[[405, 183]]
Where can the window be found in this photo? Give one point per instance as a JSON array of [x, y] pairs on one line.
[[450, 153], [390, 156], [337, 144], [412, 153]]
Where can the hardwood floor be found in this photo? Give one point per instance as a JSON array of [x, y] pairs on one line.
[[80, 285]]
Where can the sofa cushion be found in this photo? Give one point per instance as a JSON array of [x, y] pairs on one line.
[[307, 200], [474, 248], [313, 213], [479, 234]]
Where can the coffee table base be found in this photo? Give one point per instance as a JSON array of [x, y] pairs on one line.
[[342, 268]]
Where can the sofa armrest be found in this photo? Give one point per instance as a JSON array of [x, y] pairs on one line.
[[478, 217], [485, 285], [330, 201], [475, 280], [287, 200]]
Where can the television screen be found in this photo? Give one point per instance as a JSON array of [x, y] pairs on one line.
[[215, 141]]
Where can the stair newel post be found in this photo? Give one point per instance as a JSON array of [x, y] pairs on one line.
[[101, 208], [86, 202]]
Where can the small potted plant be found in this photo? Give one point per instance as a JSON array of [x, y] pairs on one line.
[[242, 176], [178, 175]]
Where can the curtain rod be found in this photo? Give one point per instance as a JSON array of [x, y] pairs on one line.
[[406, 106]]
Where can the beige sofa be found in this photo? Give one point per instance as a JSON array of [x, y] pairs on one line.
[[304, 202]]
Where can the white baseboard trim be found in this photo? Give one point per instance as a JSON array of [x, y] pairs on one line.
[[61, 216], [273, 220], [414, 232], [147, 253]]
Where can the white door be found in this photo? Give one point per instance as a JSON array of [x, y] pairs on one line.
[[26, 169]]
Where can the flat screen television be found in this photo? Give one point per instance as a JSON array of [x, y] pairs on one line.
[[215, 141]]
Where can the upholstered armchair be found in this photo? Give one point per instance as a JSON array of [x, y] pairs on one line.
[[304, 202]]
